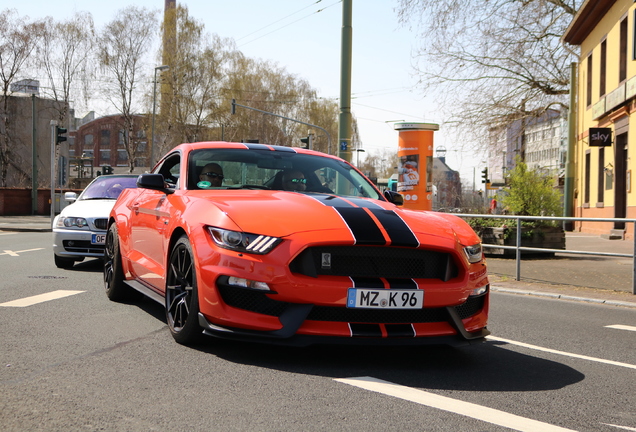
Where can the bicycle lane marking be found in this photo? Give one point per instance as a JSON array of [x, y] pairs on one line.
[[563, 353], [40, 298], [479, 412]]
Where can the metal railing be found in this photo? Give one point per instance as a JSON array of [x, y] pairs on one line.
[[518, 248]]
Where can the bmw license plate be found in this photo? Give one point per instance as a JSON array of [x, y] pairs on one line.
[[385, 298], [98, 239]]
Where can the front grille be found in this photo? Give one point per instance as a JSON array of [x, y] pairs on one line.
[[252, 301], [82, 246], [393, 316], [101, 224], [369, 261], [471, 306], [258, 302]]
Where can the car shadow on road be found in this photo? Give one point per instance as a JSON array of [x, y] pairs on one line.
[[489, 366]]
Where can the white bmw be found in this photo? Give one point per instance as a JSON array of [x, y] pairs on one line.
[[79, 231]]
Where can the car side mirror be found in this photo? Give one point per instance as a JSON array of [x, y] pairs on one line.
[[70, 196], [154, 182], [394, 197]]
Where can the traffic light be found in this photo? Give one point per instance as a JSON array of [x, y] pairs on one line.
[[59, 134], [484, 176], [308, 141]]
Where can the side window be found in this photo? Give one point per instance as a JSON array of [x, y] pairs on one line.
[[170, 169]]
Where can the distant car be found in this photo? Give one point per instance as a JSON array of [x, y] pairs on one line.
[[79, 230], [291, 246]]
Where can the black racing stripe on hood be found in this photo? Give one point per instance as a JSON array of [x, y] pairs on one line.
[[399, 232], [364, 203], [364, 229], [362, 225]]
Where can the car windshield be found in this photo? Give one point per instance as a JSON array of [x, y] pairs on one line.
[[279, 170], [108, 187]]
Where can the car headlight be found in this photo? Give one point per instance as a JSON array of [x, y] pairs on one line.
[[70, 222], [243, 242], [473, 253]]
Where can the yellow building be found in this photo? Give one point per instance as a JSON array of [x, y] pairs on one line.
[[605, 31]]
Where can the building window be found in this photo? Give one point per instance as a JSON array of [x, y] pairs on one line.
[[602, 75], [601, 174], [589, 80], [88, 142], [622, 69], [104, 138]]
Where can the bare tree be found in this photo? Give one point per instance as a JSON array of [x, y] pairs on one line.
[[494, 61], [64, 55], [18, 39], [195, 77], [123, 46]]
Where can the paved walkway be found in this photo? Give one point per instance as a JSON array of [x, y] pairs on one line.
[[566, 276]]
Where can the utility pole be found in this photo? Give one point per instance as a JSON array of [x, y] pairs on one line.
[[34, 158], [344, 125]]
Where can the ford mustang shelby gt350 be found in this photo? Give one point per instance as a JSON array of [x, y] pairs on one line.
[[291, 246]]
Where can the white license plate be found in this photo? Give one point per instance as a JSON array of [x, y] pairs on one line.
[[385, 298], [98, 239]]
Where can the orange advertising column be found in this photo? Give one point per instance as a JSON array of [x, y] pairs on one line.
[[415, 164]]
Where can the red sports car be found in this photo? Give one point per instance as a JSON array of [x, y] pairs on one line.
[[291, 246]]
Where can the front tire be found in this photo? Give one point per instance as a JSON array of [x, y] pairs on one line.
[[63, 263], [116, 289], [182, 300]]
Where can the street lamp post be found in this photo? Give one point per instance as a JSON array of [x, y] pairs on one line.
[[154, 110], [358, 157]]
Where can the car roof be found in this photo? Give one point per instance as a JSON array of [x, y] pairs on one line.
[[248, 146]]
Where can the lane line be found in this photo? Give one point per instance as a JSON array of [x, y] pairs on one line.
[[622, 327], [456, 406], [16, 253], [564, 353], [40, 298], [627, 428]]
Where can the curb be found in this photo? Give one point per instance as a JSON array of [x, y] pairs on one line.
[[564, 297]]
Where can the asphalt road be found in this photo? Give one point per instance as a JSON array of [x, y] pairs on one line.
[[83, 363]]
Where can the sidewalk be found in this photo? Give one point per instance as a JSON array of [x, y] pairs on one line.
[[36, 223], [569, 277]]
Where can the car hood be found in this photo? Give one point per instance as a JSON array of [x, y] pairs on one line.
[[368, 221], [98, 208]]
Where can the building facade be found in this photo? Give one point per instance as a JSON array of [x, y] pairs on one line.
[[100, 142], [605, 31]]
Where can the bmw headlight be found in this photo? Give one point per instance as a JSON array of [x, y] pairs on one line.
[[243, 242], [72, 222], [473, 253]]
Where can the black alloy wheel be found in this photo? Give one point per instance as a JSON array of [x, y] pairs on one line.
[[182, 302], [116, 288]]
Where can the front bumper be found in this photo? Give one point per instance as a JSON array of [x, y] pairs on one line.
[[447, 321], [76, 243]]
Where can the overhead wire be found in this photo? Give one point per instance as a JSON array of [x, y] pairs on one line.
[[287, 25]]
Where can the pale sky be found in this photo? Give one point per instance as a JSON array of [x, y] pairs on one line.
[[306, 42]]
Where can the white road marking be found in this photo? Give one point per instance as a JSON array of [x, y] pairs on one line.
[[621, 327], [564, 353], [456, 406], [627, 428], [40, 298], [16, 253]]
